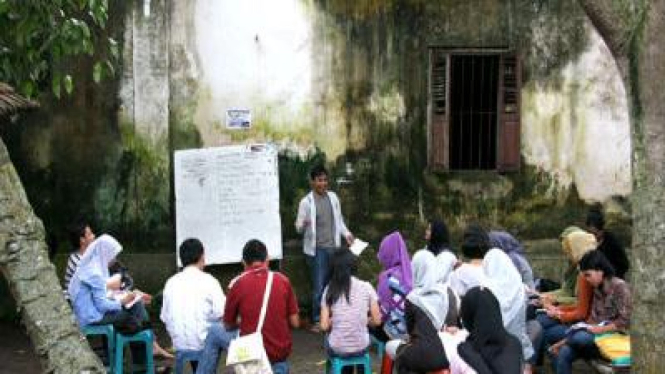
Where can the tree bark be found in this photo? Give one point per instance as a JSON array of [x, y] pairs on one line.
[[33, 282], [640, 54]]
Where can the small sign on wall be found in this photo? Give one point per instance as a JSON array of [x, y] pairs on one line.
[[238, 119]]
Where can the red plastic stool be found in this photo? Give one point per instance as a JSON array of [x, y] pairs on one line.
[[386, 365]]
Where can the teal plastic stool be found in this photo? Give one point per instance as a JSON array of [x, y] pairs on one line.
[[146, 337], [380, 347], [103, 330], [337, 363]]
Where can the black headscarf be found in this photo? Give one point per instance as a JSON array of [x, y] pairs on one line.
[[489, 348], [439, 239]]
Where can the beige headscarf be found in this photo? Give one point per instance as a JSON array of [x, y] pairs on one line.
[[578, 243]]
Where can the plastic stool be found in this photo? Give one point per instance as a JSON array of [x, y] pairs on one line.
[[185, 356], [386, 365], [145, 337], [338, 363], [380, 347], [104, 330]]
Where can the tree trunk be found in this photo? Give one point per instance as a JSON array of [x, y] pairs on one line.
[[34, 284], [636, 44]]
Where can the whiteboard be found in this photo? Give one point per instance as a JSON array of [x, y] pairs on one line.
[[226, 196]]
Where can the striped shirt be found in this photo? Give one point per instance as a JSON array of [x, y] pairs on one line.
[[349, 319], [72, 265]]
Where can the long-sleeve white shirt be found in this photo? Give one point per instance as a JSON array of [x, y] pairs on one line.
[[192, 300], [307, 213]]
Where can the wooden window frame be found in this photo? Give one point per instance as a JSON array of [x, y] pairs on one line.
[[508, 108]]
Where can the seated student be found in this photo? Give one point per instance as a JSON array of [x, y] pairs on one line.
[[575, 242], [489, 349], [192, 308], [244, 300], [87, 290], [348, 306], [437, 237], [608, 244], [119, 284], [426, 310], [557, 317], [80, 237], [475, 244], [452, 334], [395, 282], [611, 309], [506, 284], [513, 248]]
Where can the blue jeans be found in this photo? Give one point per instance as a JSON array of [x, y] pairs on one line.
[[579, 344], [553, 331], [281, 367], [319, 265], [218, 338]]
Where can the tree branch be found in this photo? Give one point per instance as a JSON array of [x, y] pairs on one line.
[[615, 21], [34, 284]]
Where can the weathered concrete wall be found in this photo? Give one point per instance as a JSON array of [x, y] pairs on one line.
[[336, 81]]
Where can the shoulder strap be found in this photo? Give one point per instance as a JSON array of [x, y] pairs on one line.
[[264, 306]]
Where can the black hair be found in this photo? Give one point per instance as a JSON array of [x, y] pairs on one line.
[[342, 266], [76, 231], [475, 242], [595, 218], [596, 260], [317, 171], [439, 238], [254, 251], [191, 251]]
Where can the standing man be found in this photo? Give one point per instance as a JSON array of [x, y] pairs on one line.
[[245, 298], [192, 309], [320, 219]]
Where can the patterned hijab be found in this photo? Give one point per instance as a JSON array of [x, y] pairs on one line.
[[395, 261]]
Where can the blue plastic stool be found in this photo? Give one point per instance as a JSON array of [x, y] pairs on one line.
[[380, 347], [103, 330], [183, 357], [337, 363], [145, 337]]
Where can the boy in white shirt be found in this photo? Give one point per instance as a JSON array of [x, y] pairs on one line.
[[193, 305]]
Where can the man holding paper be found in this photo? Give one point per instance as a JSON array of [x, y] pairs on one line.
[[321, 222]]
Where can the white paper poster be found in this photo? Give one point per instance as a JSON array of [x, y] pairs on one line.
[[226, 196]]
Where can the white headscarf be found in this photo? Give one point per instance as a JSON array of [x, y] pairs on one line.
[[505, 282], [428, 293], [95, 262], [445, 262]]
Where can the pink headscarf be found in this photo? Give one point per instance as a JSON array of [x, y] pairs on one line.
[[394, 258]]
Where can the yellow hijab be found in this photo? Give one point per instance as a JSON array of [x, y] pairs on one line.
[[578, 243]]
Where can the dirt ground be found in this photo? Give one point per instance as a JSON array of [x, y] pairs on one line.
[[18, 357]]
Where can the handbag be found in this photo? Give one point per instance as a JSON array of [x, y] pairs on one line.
[[615, 347], [246, 354]]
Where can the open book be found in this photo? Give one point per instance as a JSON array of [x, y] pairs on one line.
[[583, 326], [119, 295]]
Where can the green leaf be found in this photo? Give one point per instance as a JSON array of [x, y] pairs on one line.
[[69, 84], [110, 68], [28, 88], [97, 72], [55, 85], [113, 47]]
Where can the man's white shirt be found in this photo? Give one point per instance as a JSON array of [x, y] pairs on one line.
[[192, 300]]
